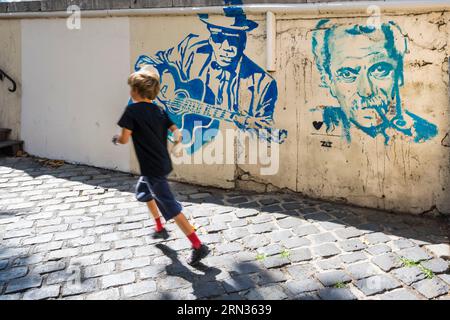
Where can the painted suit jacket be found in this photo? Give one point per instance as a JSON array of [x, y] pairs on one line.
[[250, 90]]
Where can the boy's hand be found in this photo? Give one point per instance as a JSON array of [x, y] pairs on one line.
[[115, 139], [177, 149]]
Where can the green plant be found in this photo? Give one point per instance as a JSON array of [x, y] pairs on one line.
[[410, 263], [340, 285], [285, 253], [260, 256]]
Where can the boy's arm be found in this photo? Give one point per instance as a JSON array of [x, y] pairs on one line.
[[176, 133], [123, 138]]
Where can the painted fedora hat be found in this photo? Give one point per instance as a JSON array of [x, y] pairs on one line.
[[234, 19]]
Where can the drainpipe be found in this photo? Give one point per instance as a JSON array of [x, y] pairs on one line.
[[301, 8], [271, 41]]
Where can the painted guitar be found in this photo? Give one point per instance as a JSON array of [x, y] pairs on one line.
[[191, 107]]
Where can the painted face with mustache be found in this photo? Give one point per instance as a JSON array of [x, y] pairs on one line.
[[363, 78]]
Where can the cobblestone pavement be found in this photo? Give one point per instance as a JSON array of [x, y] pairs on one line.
[[76, 232]]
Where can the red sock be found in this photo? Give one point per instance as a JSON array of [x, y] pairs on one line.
[[194, 240], [159, 225]]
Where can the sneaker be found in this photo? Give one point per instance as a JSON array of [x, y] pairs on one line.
[[198, 254], [163, 234]]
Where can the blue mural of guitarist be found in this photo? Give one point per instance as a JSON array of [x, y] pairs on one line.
[[205, 81]]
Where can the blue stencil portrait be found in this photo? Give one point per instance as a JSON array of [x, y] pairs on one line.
[[205, 81], [362, 67]]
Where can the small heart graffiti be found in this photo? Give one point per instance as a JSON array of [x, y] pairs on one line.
[[317, 124]]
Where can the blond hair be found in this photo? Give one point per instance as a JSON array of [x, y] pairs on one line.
[[145, 82]]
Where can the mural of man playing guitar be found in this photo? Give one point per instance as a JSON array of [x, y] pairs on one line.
[[205, 81]]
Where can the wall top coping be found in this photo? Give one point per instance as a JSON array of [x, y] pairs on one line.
[[43, 6]]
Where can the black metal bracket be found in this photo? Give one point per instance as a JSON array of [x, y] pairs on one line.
[[3, 75]]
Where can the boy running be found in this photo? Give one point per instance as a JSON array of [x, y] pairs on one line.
[[147, 123]]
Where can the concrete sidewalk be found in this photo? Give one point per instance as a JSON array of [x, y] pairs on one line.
[[76, 232]]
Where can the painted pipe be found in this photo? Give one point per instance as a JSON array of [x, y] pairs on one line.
[[271, 40], [301, 8]]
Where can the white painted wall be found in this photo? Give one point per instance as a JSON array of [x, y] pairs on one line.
[[74, 89]]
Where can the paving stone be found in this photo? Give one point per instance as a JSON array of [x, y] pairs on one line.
[[330, 264], [270, 276], [3, 264], [402, 244], [213, 228], [297, 287], [336, 294], [347, 233], [237, 223], [172, 283], [244, 213], [431, 288], [414, 254], [378, 249], [299, 255], [387, 261], [305, 230], [245, 256], [86, 260], [238, 283], [209, 289], [49, 267], [236, 233], [273, 292], [352, 245], [13, 273], [408, 275], [353, 257], [255, 241], [139, 288], [307, 296], [280, 235], [275, 262], [61, 276], [135, 263], [96, 247], [63, 253], [118, 279], [151, 271], [262, 228], [228, 247], [99, 270], [399, 294], [42, 293], [109, 294], [128, 243], [211, 238], [377, 237], [270, 250], [295, 242], [330, 278], [290, 222], [330, 225], [441, 250], [21, 284], [80, 242], [117, 255], [436, 265], [362, 270], [445, 278], [149, 249], [76, 288], [377, 284], [326, 250], [323, 238]]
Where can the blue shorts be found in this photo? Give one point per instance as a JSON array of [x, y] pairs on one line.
[[158, 189]]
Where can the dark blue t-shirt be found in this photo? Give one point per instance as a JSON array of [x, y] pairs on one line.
[[149, 124]]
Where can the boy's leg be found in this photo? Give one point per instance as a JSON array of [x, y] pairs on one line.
[[199, 250], [155, 213], [188, 230], [172, 209]]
